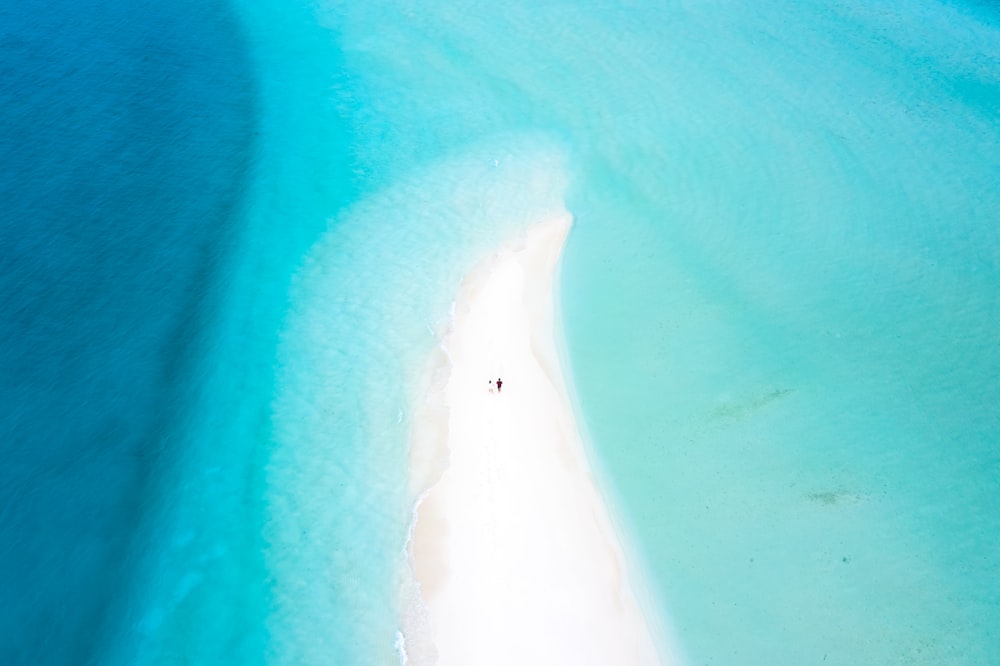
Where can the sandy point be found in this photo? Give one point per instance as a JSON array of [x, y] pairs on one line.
[[515, 555]]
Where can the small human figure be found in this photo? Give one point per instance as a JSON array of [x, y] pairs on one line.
[[499, 384], [491, 386]]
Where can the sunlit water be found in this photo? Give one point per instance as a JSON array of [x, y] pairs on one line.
[[779, 304]]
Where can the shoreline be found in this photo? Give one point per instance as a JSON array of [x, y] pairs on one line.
[[514, 553]]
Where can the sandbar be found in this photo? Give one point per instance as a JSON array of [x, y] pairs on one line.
[[513, 550]]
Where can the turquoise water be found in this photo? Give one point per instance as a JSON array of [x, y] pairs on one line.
[[802, 427], [279, 537], [779, 298], [778, 302]]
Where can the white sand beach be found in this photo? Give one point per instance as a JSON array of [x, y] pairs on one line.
[[514, 551]]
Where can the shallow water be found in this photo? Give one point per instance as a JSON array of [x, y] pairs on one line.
[[802, 426], [779, 302]]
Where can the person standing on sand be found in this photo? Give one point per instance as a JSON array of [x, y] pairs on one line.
[[491, 386], [499, 384]]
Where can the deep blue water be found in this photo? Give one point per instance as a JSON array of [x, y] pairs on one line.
[[125, 135]]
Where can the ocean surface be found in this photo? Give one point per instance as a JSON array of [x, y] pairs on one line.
[[230, 233]]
